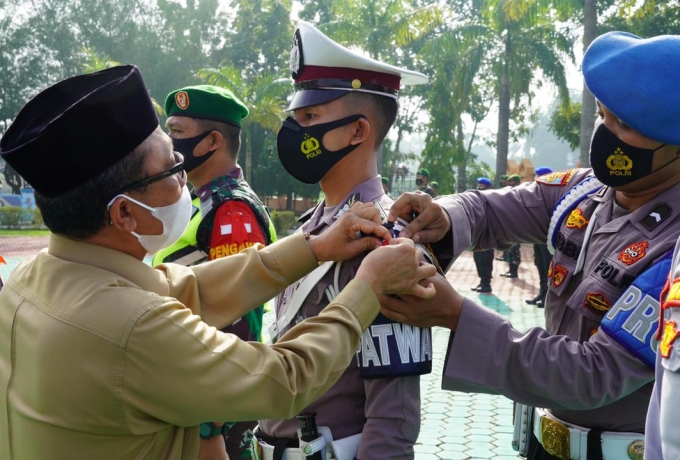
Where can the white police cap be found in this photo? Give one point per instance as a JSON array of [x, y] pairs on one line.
[[323, 70]]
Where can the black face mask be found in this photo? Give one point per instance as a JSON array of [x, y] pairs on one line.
[[186, 148], [301, 149], [616, 163], [419, 182]]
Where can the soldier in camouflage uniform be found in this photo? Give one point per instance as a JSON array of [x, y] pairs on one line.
[[204, 123]]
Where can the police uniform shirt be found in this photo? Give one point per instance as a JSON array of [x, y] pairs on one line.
[[386, 410], [587, 376]]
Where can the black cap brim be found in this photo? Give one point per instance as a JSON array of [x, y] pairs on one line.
[[308, 97]]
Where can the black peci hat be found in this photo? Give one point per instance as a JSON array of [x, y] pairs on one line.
[[74, 130]]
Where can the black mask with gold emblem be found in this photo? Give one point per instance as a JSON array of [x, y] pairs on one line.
[[301, 150], [616, 163]]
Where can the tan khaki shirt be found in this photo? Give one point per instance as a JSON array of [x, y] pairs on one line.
[[104, 357]]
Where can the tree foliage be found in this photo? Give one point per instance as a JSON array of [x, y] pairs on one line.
[[479, 55]]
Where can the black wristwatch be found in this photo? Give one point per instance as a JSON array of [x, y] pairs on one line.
[[210, 430]]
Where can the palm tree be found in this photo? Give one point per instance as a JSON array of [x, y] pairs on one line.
[[587, 99], [455, 59], [525, 39], [264, 95]]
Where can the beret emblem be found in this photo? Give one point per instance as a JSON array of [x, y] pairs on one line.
[[182, 100]]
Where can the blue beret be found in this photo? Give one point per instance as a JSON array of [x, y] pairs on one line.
[[484, 180], [542, 170], [637, 79]]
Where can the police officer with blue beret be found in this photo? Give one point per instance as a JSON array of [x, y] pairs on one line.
[[613, 228]]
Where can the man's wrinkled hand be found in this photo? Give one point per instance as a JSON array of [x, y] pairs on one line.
[[443, 309], [398, 268], [427, 221], [357, 231]]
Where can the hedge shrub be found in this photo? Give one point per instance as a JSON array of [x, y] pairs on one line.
[[16, 217], [284, 222]]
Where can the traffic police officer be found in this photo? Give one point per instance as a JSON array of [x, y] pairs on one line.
[[343, 106]]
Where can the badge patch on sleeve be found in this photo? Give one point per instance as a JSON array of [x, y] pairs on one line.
[[634, 252], [597, 303], [576, 220], [560, 275], [556, 178]]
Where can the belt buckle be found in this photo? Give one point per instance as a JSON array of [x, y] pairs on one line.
[[555, 438], [636, 450]]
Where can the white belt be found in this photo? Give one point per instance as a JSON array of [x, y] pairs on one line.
[[570, 442], [334, 449]]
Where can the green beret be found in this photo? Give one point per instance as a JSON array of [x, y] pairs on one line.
[[206, 102], [434, 184], [504, 177], [424, 172], [385, 180], [514, 177]]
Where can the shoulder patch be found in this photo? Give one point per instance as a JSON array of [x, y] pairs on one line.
[[556, 178], [576, 220]]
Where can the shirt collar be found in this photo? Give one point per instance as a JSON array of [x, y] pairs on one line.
[[117, 262]]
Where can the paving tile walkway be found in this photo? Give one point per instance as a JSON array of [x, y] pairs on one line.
[[454, 425]]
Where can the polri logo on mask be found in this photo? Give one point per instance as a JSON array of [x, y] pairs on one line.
[[619, 164], [626, 164], [310, 147], [294, 139]]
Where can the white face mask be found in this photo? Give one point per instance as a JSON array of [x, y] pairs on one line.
[[175, 219]]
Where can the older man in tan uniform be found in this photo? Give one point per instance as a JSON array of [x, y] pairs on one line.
[[104, 357]]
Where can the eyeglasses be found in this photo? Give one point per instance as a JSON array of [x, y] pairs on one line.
[[178, 168]]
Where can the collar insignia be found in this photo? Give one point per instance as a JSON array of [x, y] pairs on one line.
[[658, 215]]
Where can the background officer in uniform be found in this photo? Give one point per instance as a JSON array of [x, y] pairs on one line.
[[422, 179], [484, 258], [204, 123], [434, 185], [512, 255], [542, 258], [613, 229], [103, 356], [375, 406]]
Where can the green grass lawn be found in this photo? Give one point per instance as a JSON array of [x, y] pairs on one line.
[[4, 232]]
